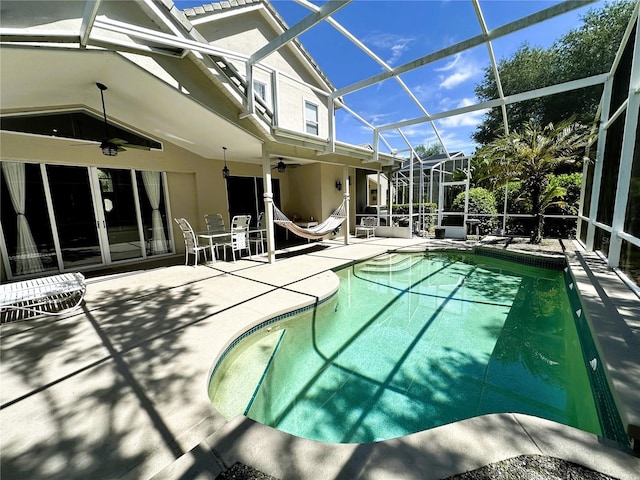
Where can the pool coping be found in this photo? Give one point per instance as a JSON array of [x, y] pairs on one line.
[[481, 438], [614, 321]]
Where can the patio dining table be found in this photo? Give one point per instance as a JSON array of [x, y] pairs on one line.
[[221, 234]]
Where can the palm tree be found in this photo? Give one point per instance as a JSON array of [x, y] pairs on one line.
[[530, 155]]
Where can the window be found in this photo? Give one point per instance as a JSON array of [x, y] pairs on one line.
[[72, 124], [311, 118], [260, 89]]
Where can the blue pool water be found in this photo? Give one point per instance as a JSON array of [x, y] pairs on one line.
[[412, 342]]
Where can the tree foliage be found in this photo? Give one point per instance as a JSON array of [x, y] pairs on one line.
[[529, 155], [425, 151], [582, 52]]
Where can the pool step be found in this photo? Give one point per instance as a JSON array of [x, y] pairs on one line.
[[389, 263]]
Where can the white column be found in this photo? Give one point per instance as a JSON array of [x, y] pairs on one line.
[[275, 99], [268, 205], [597, 169], [626, 158], [411, 192], [250, 99], [347, 207]]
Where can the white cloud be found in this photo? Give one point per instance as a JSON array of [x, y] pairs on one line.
[[458, 143], [455, 79], [461, 68], [396, 44], [449, 65], [471, 119]]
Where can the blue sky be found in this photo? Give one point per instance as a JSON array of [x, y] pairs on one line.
[[403, 30]]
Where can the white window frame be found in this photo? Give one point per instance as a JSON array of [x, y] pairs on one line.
[[310, 123]]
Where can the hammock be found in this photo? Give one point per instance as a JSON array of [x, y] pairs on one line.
[[315, 232]]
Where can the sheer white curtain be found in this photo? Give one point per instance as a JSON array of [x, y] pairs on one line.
[[27, 256], [152, 183]]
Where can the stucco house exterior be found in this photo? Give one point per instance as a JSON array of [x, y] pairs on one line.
[[199, 90]]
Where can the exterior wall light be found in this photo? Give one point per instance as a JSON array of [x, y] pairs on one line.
[[338, 185]]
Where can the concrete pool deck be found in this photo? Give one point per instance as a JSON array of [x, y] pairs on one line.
[[119, 389]]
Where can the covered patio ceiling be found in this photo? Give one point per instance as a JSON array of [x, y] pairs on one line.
[[49, 79]]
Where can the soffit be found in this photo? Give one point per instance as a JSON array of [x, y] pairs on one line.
[[52, 78]]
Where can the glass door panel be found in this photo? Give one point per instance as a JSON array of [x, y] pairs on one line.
[[153, 211], [120, 213], [25, 219], [75, 215]]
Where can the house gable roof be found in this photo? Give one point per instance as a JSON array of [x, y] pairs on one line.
[[213, 11]]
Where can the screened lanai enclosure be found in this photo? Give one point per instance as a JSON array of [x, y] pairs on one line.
[[200, 77]]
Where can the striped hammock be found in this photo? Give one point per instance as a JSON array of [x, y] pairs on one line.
[[317, 231]]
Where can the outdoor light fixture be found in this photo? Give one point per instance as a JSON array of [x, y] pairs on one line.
[[109, 149], [338, 185], [225, 170], [281, 165]]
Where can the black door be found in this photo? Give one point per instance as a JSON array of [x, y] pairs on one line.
[[245, 195]]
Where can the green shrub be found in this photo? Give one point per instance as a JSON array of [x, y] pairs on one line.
[[427, 222], [481, 201], [571, 182], [517, 200]]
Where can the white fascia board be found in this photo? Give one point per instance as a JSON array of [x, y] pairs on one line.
[[20, 35]]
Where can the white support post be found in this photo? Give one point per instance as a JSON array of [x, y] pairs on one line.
[[504, 209], [275, 85], [251, 108], [597, 170], [331, 127], [626, 159], [390, 209], [376, 140], [268, 205], [379, 196], [347, 187], [411, 193]]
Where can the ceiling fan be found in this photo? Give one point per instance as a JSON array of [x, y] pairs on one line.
[[111, 146], [281, 166]]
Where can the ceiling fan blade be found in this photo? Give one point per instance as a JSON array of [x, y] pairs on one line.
[[124, 143], [136, 147]]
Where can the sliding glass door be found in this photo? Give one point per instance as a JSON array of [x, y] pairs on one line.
[[27, 239], [75, 216], [61, 217], [118, 208]]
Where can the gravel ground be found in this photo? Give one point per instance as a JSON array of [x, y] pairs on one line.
[[548, 246], [524, 467], [532, 467], [238, 471]]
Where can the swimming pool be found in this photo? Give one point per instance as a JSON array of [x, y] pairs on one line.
[[411, 342]]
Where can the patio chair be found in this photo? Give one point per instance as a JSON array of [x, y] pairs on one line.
[[191, 245], [239, 236], [215, 224], [52, 295], [367, 226], [257, 238]]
